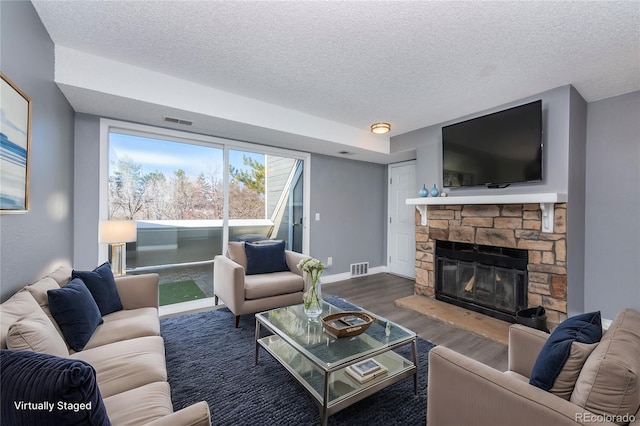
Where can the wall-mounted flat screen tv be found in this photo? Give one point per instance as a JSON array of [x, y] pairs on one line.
[[494, 150]]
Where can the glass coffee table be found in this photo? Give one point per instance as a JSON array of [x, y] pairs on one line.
[[318, 361]]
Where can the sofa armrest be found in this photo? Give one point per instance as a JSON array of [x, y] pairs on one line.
[[524, 346], [462, 391], [138, 291], [193, 415], [293, 258], [228, 282]]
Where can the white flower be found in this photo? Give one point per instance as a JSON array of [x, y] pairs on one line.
[[311, 266]]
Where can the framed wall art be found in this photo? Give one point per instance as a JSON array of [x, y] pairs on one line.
[[15, 140]]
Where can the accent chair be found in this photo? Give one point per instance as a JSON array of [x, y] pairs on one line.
[[244, 291]]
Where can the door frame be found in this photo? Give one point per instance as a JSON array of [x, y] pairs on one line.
[[389, 207], [295, 182]]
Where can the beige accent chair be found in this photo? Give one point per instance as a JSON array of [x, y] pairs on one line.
[[462, 391], [247, 294]]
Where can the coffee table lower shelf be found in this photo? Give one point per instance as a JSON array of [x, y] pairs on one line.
[[343, 390]]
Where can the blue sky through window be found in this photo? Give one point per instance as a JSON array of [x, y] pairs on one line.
[[166, 157]]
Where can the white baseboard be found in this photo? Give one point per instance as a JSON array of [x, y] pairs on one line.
[[326, 279]]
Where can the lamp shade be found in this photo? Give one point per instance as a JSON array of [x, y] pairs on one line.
[[117, 231]]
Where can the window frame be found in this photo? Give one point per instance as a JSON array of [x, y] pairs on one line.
[[109, 125]]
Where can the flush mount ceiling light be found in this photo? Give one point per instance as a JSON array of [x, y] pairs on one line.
[[380, 128]]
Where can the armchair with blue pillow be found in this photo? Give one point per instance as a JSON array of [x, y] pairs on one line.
[[577, 375], [255, 277]]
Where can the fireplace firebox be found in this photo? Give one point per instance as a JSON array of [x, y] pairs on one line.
[[486, 279]]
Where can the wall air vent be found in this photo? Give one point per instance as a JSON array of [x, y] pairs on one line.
[[358, 269], [178, 121]]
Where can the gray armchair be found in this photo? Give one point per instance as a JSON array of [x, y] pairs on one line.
[[247, 294]]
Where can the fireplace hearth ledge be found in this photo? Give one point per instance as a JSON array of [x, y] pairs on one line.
[[546, 200]]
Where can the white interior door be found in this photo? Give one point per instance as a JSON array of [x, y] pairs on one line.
[[401, 235]]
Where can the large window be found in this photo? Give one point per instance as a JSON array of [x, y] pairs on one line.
[[188, 197]]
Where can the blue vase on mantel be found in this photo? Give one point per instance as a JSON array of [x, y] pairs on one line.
[[424, 192], [434, 191]]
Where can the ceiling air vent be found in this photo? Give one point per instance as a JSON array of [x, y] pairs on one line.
[[345, 153], [178, 121]]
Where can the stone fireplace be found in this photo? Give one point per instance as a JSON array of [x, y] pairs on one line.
[[511, 226]]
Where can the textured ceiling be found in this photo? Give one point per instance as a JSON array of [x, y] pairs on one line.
[[412, 64]]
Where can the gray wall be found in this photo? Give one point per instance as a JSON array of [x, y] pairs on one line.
[[352, 201], [612, 241], [34, 243], [86, 204], [576, 204]]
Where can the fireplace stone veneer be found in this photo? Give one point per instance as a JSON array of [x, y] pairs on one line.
[[508, 225]]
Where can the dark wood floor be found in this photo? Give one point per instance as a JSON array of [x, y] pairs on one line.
[[376, 293]]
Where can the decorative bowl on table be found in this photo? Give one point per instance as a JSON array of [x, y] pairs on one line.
[[346, 324]]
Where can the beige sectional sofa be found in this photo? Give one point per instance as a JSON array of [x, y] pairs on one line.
[[126, 350], [463, 391]]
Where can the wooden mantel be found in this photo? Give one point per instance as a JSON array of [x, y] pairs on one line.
[[546, 200]]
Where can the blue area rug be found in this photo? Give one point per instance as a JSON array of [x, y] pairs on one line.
[[210, 360]]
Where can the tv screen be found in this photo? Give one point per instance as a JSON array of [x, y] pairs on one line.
[[494, 150]]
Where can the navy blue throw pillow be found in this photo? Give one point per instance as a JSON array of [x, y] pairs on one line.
[[265, 258], [584, 328], [42, 389], [75, 311], [102, 286]]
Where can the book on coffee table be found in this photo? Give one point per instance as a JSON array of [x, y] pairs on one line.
[[366, 367], [352, 320], [366, 370]]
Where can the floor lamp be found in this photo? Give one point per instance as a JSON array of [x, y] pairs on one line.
[[118, 233]]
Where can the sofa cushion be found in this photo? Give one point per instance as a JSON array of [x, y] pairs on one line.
[[39, 291], [102, 286], [554, 369], [235, 252], [17, 306], [67, 386], [566, 380], [265, 258], [124, 325], [141, 405], [36, 333], [128, 364], [76, 313], [62, 275], [275, 284], [610, 379]]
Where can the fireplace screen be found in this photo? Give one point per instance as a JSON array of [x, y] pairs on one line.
[[488, 281]]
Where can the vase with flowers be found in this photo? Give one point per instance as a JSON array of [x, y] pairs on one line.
[[312, 297]]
